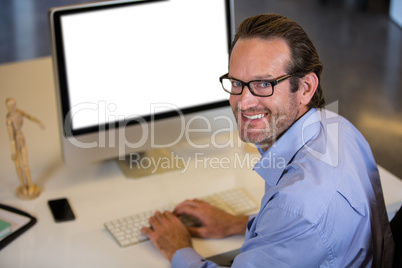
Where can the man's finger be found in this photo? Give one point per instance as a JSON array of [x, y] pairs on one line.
[[147, 231], [196, 231]]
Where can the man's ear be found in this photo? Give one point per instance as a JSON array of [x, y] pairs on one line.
[[307, 87]]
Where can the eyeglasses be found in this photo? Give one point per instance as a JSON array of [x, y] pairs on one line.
[[259, 88]]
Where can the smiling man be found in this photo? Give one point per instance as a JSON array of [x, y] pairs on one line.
[[262, 119], [323, 207]]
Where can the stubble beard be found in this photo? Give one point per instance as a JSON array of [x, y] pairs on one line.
[[264, 136], [276, 124]]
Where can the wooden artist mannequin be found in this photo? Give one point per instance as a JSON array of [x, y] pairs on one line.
[[27, 190]]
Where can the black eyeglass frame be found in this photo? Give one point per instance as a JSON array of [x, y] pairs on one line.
[[273, 84]]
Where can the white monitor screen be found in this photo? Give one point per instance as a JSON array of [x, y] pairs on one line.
[[142, 59]]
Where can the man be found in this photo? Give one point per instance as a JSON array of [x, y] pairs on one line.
[[324, 207]]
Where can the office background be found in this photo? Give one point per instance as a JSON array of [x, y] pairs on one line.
[[361, 49]]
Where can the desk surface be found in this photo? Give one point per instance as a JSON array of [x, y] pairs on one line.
[[100, 192]]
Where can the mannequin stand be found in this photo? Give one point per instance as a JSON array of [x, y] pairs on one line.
[[26, 192]]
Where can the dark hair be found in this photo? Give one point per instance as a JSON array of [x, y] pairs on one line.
[[304, 57]]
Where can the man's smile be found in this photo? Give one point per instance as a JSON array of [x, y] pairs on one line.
[[255, 116]]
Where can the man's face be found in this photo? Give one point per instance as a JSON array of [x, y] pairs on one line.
[[263, 119]]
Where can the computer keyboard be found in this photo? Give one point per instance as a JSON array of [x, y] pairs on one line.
[[127, 230]]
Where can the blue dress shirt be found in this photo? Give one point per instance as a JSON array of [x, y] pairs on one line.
[[323, 204]]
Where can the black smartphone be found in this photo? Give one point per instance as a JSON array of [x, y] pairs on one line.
[[61, 210]]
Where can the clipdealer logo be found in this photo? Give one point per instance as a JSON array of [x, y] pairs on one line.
[[328, 117]]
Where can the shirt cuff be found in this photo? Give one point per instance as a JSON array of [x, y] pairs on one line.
[[186, 257]]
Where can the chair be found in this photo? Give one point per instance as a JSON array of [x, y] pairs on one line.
[[396, 228]]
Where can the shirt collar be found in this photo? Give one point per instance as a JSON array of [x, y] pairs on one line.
[[274, 161]]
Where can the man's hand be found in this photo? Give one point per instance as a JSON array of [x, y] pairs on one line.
[[167, 233], [215, 223]]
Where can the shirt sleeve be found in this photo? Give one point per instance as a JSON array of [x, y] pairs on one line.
[[282, 238], [187, 257]]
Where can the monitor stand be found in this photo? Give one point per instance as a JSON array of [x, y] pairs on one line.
[[151, 162]]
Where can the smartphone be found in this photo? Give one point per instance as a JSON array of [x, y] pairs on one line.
[[61, 210]]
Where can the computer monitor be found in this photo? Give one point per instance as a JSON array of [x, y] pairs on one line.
[[138, 75]]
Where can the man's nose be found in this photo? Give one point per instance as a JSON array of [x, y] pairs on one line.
[[248, 100]]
